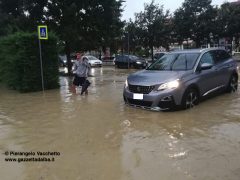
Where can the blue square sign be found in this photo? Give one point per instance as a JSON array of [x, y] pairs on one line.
[[42, 32]]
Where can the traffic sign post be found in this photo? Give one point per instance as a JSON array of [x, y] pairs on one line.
[[42, 32], [42, 35]]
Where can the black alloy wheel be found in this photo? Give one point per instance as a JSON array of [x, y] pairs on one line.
[[190, 99], [233, 84]]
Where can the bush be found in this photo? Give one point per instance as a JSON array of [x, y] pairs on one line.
[[20, 64]]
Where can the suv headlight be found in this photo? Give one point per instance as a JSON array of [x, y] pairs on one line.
[[169, 85], [126, 84]]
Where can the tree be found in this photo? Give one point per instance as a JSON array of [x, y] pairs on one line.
[[85, 25], [153, 25], [103, 23], [196, 20], [130, 36], [12, 18], [229, 20], [80, 25]]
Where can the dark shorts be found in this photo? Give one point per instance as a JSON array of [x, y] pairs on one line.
[[78, 81]]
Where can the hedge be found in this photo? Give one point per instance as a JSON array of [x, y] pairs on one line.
[[20, 64]]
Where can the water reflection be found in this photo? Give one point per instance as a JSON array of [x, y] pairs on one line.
[[101, 138], [180, 144]]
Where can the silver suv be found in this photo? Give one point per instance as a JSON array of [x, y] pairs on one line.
[[181, 79]]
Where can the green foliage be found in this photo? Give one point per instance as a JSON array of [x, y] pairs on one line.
[[85, 25], [20, 64], [131, 34], [229, 19], [195, 20], [80, 25], [142, 52], [153, 26]]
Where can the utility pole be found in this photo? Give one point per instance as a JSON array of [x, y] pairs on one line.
[[128, 52], [42, 34]]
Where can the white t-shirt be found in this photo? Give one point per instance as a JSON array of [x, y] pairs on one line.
[[81, 68]]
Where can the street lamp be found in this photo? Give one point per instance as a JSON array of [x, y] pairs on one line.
[[211, 38], [126, 38], [128, 49], [205, 43], [122, 38]]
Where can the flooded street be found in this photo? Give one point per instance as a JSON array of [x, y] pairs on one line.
[[100, 138]]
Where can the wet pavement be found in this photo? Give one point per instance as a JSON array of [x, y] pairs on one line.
[[99, 138]]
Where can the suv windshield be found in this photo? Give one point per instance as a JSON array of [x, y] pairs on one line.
[[175, 62]]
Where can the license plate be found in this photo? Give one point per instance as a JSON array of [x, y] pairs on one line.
[[138, 96]]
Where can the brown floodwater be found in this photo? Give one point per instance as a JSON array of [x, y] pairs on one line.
[[98, 137]]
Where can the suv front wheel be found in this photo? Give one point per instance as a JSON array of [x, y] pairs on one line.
[[190, 98], [233, 84]]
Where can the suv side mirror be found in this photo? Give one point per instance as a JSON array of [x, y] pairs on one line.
[[206, 66]]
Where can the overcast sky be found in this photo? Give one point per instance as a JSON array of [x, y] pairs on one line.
[[133, 6]]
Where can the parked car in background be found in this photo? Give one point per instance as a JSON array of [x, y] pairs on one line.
[[93, 61], [62, 60], [123, 61], [182, 78]]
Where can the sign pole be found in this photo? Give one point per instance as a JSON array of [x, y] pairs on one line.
[[40, 54], [42, 34]]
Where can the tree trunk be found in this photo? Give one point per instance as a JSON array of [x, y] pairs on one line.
[[100, 53], [198, 43]]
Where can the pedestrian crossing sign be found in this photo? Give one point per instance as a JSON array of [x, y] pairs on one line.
[[42, 32]]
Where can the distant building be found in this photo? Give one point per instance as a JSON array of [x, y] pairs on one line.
[[235, 2]]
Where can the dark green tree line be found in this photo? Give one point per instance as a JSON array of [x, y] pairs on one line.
[[95, 25], [196, 20]]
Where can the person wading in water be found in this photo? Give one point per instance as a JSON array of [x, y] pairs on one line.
[[81, 70]]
